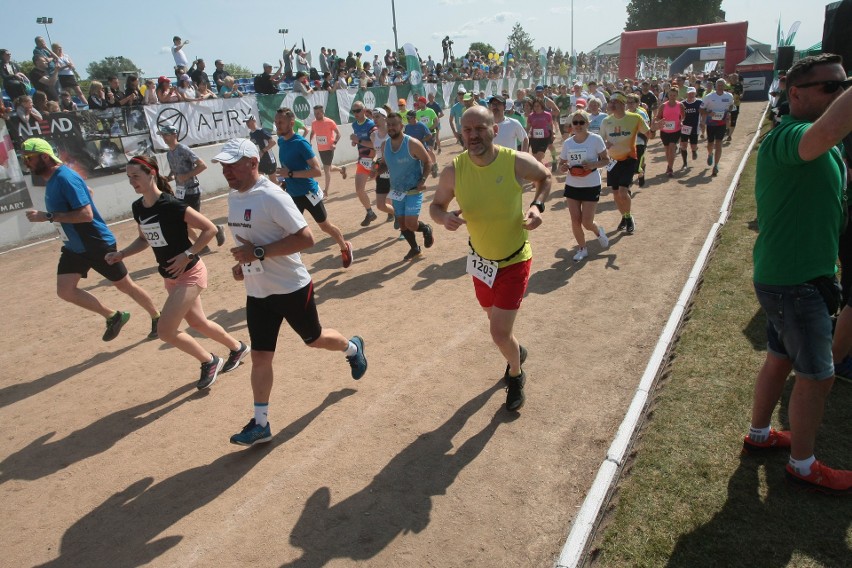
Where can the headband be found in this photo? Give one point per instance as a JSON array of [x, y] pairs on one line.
[[141, 162]]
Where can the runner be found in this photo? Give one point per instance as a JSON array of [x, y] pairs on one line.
[[689, 130], [737, 89], [185, 166], [582, 155], [428, 118], [619, 131], [407, 162], [380, 169], [271, 232], [85, 238], [327, 135], [633, 105], [360, 137], [500, 256], [563, 101], [670, 117], [596, 117], [456, 112], [417, 130], [510, 132], [540, 130], [299, 167], [265, 143], [440, 114], [716, 108], [549, 106], [163, 222]]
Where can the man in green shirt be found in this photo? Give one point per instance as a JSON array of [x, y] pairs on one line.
[[429, 117], [800, 196]]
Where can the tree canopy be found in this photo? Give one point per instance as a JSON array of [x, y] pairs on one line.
[[118, 66], [482, 47], [652, 14], [520, 42]]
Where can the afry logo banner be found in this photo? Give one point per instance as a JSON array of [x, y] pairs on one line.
[[202, 122]]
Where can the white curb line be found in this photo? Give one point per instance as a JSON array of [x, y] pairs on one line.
[[574, 552]]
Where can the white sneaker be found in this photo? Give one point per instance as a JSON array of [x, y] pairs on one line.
[[581, 254], [602, 238]]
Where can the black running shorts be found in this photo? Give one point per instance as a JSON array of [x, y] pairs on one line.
[[264, 317]]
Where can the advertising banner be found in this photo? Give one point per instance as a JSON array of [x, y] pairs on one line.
[[201, 122], [14, 195]]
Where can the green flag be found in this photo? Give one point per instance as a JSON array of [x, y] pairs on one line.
[[412, 64]]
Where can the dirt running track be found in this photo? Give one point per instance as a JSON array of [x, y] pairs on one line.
[[111, 458]]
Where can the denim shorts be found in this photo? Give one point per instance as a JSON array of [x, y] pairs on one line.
[[798, 328]]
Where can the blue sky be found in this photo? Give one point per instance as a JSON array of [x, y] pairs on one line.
[[248, 33]]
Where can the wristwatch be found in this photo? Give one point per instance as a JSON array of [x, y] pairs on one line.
[[49, 216], [290, 173], [538, 204], [260, 252], [190, 255]]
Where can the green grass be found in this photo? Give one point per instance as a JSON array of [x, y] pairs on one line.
[[688, 499]]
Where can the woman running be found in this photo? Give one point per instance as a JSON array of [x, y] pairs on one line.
[[582, 155], [163, 221], [540, 129], [670, 117]]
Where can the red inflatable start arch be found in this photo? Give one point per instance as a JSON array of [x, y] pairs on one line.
[[733, 34]]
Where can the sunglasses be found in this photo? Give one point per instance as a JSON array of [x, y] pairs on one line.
[[828, 87], [578, 122], [357, 110]]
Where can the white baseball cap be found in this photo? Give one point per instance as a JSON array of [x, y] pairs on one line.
[[236, 149]]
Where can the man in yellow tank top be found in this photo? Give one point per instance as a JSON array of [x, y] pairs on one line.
[[486, 181]]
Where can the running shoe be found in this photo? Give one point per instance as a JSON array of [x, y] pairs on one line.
[[369, 218], [154, 322], [715, 171], [252, 434], [602, 238], [670, 173], [776, 441], [515, 397], [428, 238], [435, 170], [236, 357], [347, 255], [822, 479], [695, 154], [622, 224], [640, 181], [631, 225], [209, 372], [114, 323], [343, 173], [709, 159], [395, 223], [581, 254], [358, 362], [220, 235], [728, 139], [391, 217], [412, 254]]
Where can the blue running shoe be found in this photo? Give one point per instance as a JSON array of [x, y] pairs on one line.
[[252, 434], [358, 362], [709, 159]]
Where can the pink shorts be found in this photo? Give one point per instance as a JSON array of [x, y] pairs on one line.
[[509, 287], [195, 276]]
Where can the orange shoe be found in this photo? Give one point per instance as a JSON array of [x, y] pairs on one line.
[[775, 441], [822, 479], [347, 255]]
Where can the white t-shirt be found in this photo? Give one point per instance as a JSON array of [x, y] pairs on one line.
[[578, 152], [510, 133], [262, 215], [379, 144], [180, 57], [717, 105]]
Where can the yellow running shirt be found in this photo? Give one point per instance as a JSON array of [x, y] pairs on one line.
[[490, 200], [621, 133]]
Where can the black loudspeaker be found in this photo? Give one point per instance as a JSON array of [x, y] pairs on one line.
[[835, 32], [784, 57]]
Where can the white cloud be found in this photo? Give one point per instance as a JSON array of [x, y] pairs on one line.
[[561, 10]]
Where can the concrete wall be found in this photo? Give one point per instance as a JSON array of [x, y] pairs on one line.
[[113, 195]]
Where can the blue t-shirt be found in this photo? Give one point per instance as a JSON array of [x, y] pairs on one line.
[[362, 130], [418, 130], [456, 112], [66, 191], [294, 154], [405, 170]]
